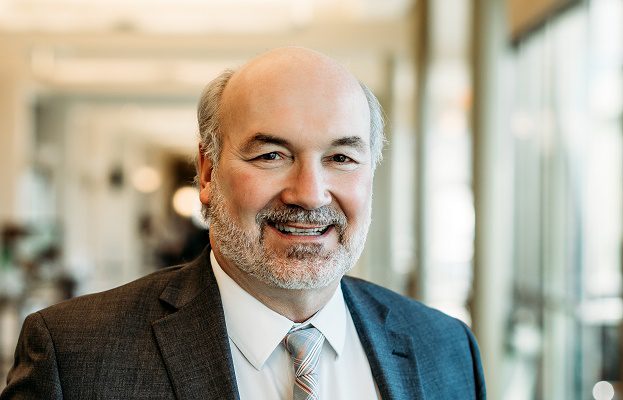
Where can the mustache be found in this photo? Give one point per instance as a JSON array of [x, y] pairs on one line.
[[325, 215]]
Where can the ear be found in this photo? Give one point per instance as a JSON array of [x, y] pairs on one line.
[[205, 176]]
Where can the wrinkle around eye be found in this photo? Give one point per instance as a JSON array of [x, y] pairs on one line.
[[269, 160], [342, 162]]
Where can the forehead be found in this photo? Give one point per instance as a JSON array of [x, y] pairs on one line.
[[309, 102]]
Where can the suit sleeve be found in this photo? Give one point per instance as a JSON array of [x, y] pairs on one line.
[[479, 378], [34, 374]]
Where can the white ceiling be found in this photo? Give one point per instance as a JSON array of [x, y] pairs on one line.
[[189, 16], [175, 47]]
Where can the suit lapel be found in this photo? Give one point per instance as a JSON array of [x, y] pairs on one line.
[[390, 352], [193, 339]]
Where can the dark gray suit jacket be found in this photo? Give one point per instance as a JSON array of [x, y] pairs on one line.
[[164, 337]]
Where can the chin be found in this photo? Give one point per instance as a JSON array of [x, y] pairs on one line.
[[303, 273]]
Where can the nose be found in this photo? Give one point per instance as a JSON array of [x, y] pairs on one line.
[[306, 187]]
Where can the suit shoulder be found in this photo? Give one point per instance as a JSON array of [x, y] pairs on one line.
[[406, 311], [387, 297], [445, 347], [140, 293]]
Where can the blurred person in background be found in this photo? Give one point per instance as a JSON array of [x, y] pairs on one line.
[[288, 148]]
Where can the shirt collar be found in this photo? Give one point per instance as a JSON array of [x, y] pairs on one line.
[[257, 342], [331, 321]]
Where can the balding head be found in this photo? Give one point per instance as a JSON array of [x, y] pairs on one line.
[[291, 69], [283, 70]]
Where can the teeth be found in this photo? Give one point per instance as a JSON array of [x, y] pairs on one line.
[[301, 231]]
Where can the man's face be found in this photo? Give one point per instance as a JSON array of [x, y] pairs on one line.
[[290, 199]]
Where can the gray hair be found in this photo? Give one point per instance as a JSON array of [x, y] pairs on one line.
[[209, 116], [377, 126]]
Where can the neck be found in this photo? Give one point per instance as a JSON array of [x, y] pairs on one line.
[[298, 305]]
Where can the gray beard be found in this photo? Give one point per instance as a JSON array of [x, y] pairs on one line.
[[301, 266]]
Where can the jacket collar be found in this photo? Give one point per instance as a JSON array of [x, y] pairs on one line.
[[193, 338], [390, 350]]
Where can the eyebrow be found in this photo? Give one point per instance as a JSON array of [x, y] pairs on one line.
[[262, 138], [350, 141]]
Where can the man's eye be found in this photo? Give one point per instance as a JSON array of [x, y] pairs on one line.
[[340, 158], [273, 155]]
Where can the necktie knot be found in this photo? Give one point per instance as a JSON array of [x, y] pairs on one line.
[[305, 346]]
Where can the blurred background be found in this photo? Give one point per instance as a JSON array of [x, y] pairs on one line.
[[499, 201]]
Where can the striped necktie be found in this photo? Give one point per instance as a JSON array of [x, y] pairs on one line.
[[304, 346]]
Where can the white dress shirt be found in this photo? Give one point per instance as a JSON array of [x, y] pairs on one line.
[[263, 366]]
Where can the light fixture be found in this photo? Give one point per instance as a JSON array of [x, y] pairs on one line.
[[146, 179], [186, 201]]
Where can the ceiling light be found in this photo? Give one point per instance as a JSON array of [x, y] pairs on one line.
[[186, 201], [146, 179]]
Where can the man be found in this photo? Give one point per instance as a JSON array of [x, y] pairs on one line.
[[288, 147]]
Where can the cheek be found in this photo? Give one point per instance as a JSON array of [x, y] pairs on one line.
[[354, 196], [247, 193]]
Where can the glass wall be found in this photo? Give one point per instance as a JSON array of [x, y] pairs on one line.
[[564, 338]]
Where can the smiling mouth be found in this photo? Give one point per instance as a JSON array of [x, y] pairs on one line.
[[300, 231]]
